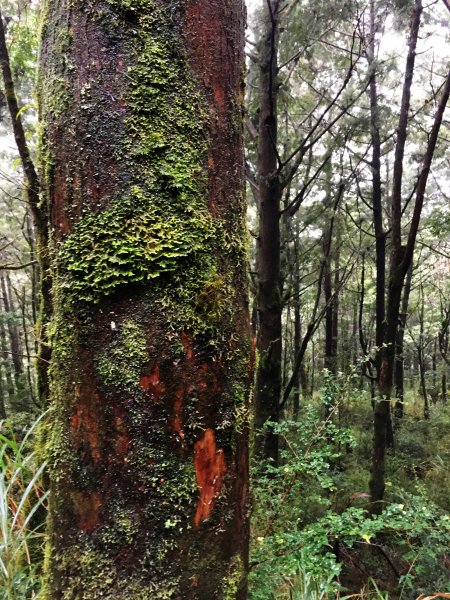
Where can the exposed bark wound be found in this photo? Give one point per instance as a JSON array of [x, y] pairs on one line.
[[210, 468], [88, 507]]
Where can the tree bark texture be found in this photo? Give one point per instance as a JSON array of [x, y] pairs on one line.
[[141, 111]]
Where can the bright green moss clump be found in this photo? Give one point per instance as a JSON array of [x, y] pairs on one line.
[[161, 216], [124, 245]]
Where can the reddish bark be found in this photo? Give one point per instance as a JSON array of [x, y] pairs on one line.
[[210, 468], [153, 474]]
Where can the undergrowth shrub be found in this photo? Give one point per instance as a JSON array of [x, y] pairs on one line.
[[23, 504], [312, 534]]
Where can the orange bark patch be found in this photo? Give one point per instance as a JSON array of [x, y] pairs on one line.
[[219, 97], [85, 422], [210, 468], [123, 440], [87, 505], [178, 408], [152, 384], [185, 340]]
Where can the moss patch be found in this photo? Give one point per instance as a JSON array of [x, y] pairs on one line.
[[120, 363], [162, 218]]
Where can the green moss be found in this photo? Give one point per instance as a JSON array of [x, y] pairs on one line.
[[126, 244], [162, 219], [120, 363], [233, 581]]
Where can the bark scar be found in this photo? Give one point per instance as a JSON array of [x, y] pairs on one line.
[[210, 468]]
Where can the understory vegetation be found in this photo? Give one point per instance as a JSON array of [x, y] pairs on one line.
[[313, 537]]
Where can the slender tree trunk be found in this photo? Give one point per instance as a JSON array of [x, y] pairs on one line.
[[20, 402], [268, 375], [330, 356], [421, 356], [29, 236], [29, 366], [444, 386], [10, 391], [434, 391], [377, 204], [297, 320], [39, 213], [399, 352], [335, 304], [377, 208], [2, 395], [141, 110]]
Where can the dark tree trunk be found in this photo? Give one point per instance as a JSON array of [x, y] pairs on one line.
[[421, 357], [268, 375], [377, 205], [400, 256], [141, 110], [297, 324], [2, 394], [434, 389], [330, 355]]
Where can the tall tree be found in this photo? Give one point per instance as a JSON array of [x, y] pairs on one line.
[[37, 208], [401, 254], [141, 106], [268, 375], [279, 172]]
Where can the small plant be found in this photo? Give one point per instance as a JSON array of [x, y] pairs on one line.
[[305, 587], [23, 504]]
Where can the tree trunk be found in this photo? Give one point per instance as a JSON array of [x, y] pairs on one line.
[[9, 390], [399, 375], [400, 256], [141, 110], [2, 394], [434, 389], [20, 402], [268, 375], [297, 321]]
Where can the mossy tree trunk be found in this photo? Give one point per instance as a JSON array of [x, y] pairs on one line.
[[141, 111]]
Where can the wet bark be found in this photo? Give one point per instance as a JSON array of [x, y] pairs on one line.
[[141, 111]]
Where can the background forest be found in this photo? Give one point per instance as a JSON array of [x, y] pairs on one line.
[[348, 196]]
